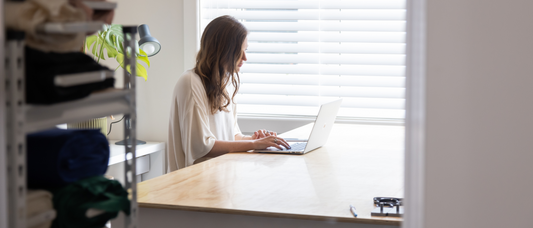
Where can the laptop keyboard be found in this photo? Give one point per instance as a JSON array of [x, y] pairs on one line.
[[296, 147]]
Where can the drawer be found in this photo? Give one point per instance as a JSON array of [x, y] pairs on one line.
[[143, 164], [117, 170]]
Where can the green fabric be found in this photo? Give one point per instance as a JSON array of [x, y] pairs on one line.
[[72, 202]]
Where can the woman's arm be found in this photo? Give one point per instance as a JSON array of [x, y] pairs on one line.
[[222, 147], [257, 135], [243, 137]]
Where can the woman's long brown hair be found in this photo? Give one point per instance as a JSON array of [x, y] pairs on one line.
[[216, 62]]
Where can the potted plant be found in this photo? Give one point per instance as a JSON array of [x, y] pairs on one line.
[[109, 42], [110, 39]]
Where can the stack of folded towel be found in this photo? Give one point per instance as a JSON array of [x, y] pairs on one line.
[[50, 54], [61, 156], [28, 15], [39, 209], [43, 67], [71, 164]]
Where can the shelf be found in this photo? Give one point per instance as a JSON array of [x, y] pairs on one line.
[[117, 152], [21, 118], [98, 104], [71, 27], [66, 80], [100, 5]]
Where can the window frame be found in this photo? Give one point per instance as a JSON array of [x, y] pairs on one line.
[[344, 119]]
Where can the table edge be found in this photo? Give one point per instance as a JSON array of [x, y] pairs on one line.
[[272, 214]]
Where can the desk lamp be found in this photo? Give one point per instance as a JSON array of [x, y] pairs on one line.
[[147, 43], [151, 46]]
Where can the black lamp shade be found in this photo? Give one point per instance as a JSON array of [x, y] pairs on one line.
[[147, 43]]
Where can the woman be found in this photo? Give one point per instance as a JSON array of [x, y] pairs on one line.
[[203, 119]]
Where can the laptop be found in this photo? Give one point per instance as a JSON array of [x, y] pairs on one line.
[[319, 135]]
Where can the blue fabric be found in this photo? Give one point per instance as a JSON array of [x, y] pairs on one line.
[[58, 157]]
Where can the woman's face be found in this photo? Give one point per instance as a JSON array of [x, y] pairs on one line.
[[243, 55]]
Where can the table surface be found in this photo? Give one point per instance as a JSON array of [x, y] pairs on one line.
[[357, 163]]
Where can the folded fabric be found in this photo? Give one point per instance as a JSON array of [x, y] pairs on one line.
[[28, 15], [39, 209], [74, 201], [58, 157], [42, 68], [105, 16]]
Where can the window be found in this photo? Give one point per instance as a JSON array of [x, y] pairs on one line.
[[303, 53]]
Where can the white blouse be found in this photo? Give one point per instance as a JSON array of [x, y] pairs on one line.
[[193, 129]]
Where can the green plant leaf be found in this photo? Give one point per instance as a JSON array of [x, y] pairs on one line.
[[111, 40], [141, 70], [89, 41], [144, 57], [111, 51], [95, 48], [120, 59]]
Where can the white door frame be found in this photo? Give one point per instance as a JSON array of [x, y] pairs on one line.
[[415, 114]]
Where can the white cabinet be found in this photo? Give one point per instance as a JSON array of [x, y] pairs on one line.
[[150, 161]]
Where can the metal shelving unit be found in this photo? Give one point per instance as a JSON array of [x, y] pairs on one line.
[[3, 155], [21, 119], [14, 132]]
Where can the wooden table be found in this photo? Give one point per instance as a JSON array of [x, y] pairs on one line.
[[359, 162]]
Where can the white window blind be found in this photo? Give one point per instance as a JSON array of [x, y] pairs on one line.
[[303, 53]]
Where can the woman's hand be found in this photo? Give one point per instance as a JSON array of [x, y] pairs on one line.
[[269, 141], [263, 133]]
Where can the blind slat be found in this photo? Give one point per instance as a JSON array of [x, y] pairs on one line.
[[312, 111], [363, 37], [363, 4], [316, 90], [369, 92], [360, 14], [378, 103], [345, 48], [290, 79], [371, 81], [328, 80], [354, 37], [280, 68], [301, 90], [325, 69], [355, 59], [363, 70], [372, 26], [306, 4]]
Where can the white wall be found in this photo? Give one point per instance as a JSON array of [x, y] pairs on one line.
[[165, 19], [479, 151]]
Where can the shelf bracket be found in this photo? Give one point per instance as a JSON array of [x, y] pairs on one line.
[[130, 62], [15, 136]]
